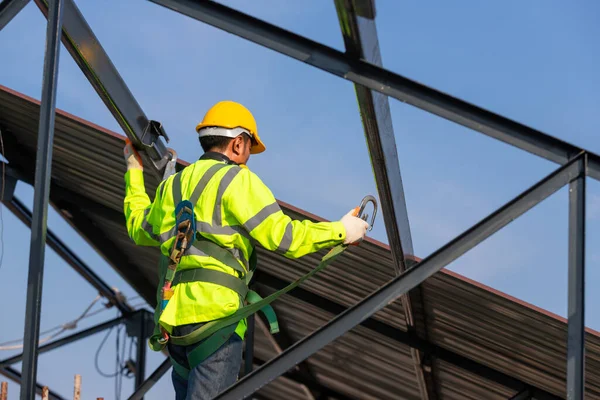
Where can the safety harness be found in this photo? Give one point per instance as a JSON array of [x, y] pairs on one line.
[[214, 334]]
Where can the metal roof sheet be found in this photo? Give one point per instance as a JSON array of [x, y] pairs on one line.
[[469, 324]]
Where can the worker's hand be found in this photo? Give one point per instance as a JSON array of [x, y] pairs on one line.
[[356, 228], [132, 157]]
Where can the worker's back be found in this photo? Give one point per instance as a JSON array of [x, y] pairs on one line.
[[199, 301]]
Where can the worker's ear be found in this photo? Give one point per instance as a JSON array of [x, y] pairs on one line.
[[238, 145]]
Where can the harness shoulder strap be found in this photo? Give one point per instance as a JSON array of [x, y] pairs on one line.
[[177, 188]]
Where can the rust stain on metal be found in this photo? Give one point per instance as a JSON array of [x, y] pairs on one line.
[[4, 391], [77, 391], [45, 393]]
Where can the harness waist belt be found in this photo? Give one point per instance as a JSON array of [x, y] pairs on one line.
[[211, 276]]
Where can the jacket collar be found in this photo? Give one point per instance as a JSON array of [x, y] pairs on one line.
[[213, 155]]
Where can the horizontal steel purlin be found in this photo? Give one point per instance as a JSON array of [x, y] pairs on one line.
[[66, 340], [15, 376], [408, 280], [381, 80]]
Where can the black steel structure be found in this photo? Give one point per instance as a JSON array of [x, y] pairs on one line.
[[362, 65], [43, 167]]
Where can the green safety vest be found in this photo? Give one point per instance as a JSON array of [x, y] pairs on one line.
[[234, 210]]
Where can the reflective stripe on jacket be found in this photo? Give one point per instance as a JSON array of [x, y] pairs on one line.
[[235, 210]]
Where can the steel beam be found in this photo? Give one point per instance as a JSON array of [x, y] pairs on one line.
[[361, 42], [401, 337], [16, 377], [74, 209], [151, 381], [40, 200], [140, 360], [282, 341], [381, 80], [22, 212], [407, 281], [107, 249], [576, 293], [524, 394], [9, 9], [314, 386], [66, 340], [80, 41], [249, 345]]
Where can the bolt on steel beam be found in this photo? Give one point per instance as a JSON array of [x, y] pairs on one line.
[[40, 200], [576, 292]]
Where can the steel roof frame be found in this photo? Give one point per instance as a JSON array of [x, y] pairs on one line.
[[368, 73]]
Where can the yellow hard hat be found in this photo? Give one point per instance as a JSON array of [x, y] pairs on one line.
[[228, 118]]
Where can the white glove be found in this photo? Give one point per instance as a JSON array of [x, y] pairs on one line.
[[132, 157], [356, 228]]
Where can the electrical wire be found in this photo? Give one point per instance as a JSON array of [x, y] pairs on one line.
[[3, 346], [98, 354], [62, 328]]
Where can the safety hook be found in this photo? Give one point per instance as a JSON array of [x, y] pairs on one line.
[[363, 204]]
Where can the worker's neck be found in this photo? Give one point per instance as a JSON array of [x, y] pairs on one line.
[[220, 155]]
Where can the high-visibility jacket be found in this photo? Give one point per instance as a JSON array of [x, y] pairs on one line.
[[234, 210]]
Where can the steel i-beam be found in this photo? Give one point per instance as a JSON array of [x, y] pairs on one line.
[[40, 200], [576, 293]]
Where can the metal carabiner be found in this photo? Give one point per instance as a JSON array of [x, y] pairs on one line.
[[363, 204]]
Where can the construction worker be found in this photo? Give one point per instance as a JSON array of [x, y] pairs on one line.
[[233, 209]]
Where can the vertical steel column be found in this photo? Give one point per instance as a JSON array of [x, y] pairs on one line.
[[576, 324], [40, 200], [249, 353], [140, 360]]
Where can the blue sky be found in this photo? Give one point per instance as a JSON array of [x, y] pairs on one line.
[[534, 62]]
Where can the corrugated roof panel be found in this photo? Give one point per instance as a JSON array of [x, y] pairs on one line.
[[463, 316], [453, 383], [501, 333]]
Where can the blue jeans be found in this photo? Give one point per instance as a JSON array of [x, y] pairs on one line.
[[212, 376]]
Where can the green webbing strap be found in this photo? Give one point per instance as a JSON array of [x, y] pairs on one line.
[[213, 326], [177, 188], [267, 310], [180, 369], [210, 345], [212, 276], [214, 250]]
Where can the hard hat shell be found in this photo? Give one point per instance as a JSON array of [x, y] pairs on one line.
[[229, 114]]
